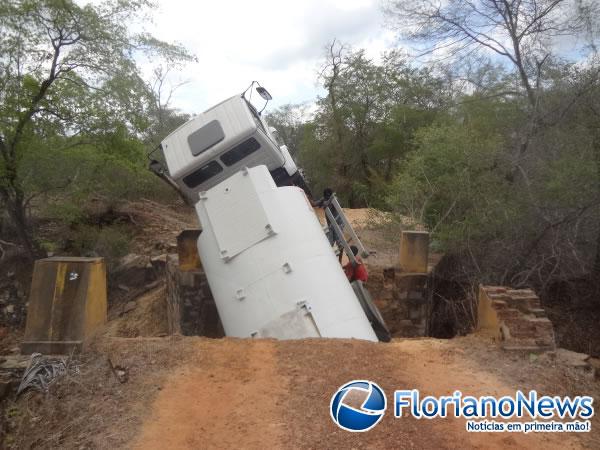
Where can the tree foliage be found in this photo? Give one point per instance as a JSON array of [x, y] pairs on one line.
[[71, 93], [546, 169], [365, 124], [523, 33], [494, 146]]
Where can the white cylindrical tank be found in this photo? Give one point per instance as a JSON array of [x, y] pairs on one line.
[[269, 265]]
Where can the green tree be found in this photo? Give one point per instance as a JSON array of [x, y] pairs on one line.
[[66, 70], [162, 116], [531, 98], [522, 32], [365, 124], [289, 121]]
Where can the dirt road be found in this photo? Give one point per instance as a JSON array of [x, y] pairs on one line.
[[268, 394]]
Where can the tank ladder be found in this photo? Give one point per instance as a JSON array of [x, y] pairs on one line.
[[340, 238]]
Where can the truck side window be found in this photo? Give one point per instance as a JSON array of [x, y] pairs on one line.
[[240, 151], [204, 173]]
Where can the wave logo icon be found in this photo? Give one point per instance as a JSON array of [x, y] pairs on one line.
[[358, 406]]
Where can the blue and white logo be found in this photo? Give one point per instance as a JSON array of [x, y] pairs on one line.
[[352, 418]]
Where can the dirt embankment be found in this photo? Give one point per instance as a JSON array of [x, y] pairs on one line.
[[203, 393]]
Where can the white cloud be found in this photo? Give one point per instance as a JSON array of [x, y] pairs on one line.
[[276, 42]]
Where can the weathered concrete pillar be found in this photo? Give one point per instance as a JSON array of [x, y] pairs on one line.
[[414, 251], [187, 250], [487, 317], [67, 303]]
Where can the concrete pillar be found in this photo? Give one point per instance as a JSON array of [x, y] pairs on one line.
[[487, 318], [67, 303], [414, 251], [187, 250]]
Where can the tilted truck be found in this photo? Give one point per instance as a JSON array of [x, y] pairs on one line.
[[270, 267]]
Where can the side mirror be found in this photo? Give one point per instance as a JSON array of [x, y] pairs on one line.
[[263, 93]]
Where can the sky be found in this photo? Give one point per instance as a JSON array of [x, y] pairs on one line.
[[279, 43]]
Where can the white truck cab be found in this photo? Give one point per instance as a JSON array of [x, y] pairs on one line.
[[222, 140], [269, 265]]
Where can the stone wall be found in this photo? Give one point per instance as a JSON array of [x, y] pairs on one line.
[[515, 318], [13, 302], [402, 292], [191, 309], [402, 299]]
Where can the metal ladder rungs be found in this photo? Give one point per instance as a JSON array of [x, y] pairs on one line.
[[333, 204]]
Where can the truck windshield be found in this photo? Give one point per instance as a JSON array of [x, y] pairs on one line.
[[240, 151], [255, 116], [201, 175]]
